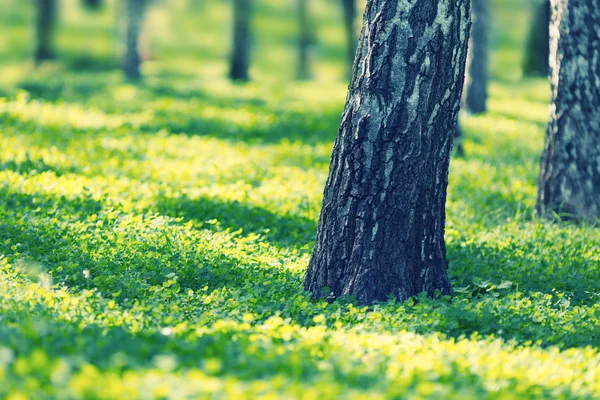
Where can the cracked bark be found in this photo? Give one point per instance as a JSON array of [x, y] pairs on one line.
[[45, 22], [381, 229], [240, 51], [134, 15], [569, 182], [476, 80]]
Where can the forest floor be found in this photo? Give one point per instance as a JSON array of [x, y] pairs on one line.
[[153, 237]]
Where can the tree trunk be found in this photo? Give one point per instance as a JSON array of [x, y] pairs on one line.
[[92, 4], [477, 59], [569, 181], [350, 30], [304, 41], [45, 22], [381, 229], [537, 50], [134, 15], [240, 53]]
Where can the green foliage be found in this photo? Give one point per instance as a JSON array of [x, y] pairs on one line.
[[153, 240]]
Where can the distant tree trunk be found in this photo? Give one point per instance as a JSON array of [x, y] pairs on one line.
[[134, 17], [92, 4], [477, 59], [304, 41], [381, 229], [350, 30], [240, 52], [537, 50], [458, 141], [569, 181], [45, 22]]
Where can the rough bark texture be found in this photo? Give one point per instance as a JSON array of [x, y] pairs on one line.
[[305, 40], [240, 52], [569, 181], [381, 229], [476, 81], [134, 15], [350, 30], [45, 21], [537, 50]]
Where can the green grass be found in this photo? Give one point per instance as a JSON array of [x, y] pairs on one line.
[[153, 237]]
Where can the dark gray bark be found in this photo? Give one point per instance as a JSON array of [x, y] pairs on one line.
[[134, 18], [537, 49], [305, 40], [350, 30], [381, 229], [476, 81], [569, 181], [240, 52], [45, 23]]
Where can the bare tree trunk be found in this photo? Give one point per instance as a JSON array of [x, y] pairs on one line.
[[537, 50], [134, 15], [45, 23], [569, 181], [381, 229], [350, 30], [304, 41], [476, 81], [240, 53]]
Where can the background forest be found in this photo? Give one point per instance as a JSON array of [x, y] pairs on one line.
[[154, 234]]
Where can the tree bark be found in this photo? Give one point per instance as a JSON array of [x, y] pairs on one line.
[[304, 41], [350, 30], [240, 53], [537, 50], [569, 181], [134, 15], [45, 23], [381, 229], [476, 81]]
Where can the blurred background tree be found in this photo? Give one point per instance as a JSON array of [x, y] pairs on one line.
[[45, 25], [242, 40], [537, 50]]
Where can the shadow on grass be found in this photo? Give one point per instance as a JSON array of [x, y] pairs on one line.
[[282, 230]]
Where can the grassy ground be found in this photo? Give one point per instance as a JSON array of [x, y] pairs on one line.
[[153, 237]]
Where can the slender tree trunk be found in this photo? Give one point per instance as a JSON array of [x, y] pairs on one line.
[[350, 30], [92, 4], [304, 40], [45, 22], [134, 15], [477, 59], [240, 53], [569, 181], [537, 50], [381, 229]]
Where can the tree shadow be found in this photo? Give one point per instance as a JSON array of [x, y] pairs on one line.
[[281, 230]]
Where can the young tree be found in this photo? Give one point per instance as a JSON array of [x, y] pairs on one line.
[[134, 17], [476, 81], [569, 182], [381, 229], [240, 52], [45, 22], [350, 29], [305, 40], [537, 50]]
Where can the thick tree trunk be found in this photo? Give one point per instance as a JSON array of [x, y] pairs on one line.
[[569, 181], [134, 15], [45, 22], [350, 30], [537, 50], [381, 229], [477, 59], [240, 52], [304, 40]]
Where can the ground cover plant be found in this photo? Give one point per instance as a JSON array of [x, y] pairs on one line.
[[154, 236]]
